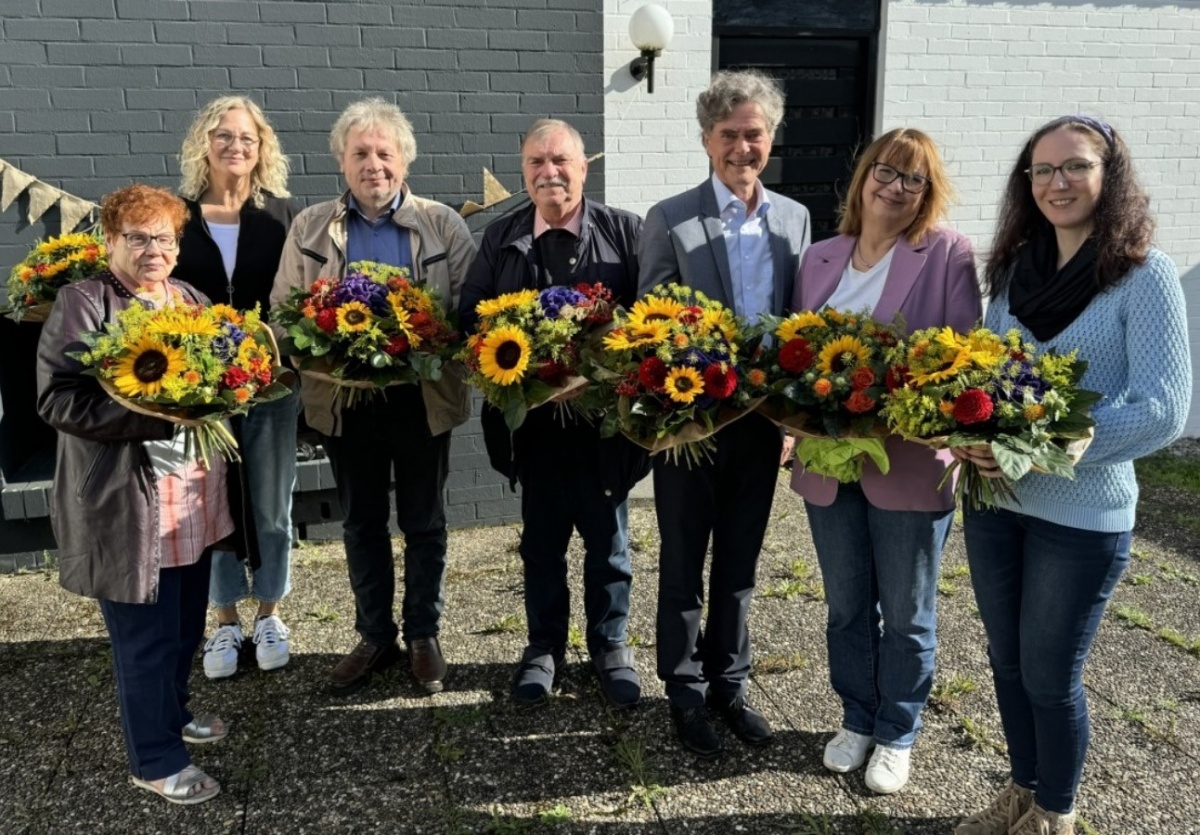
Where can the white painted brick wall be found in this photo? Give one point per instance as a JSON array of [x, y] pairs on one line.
[[980, 79], [652, 142]]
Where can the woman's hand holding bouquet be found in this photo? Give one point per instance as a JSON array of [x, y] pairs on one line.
[[948, 389]]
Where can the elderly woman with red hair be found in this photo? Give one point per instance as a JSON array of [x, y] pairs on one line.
[[135, 518]]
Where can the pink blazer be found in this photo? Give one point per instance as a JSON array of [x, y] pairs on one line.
[[931, 284]]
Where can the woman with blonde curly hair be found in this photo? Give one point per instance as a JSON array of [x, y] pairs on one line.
[[234, 181]]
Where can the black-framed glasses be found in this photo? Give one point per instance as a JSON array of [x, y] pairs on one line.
[[1074, 170], [140, 240], [912, 183], [225, 138]]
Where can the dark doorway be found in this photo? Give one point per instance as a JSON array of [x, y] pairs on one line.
[[825, 53]]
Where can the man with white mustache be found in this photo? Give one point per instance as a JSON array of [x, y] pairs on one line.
[[570, 478], [740, 245]]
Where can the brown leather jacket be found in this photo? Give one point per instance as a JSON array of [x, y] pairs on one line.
[[442, 252], [105, 505]]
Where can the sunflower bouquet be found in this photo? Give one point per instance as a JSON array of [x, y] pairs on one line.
[[672, 368], [825, 377], [189, 364], [531, 347], [33, 284], [948, 389], [371, 329]]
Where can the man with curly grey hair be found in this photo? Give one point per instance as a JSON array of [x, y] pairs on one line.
[[404, 437], [739, 244]]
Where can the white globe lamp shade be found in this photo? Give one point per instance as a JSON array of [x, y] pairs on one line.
[[651, 28]]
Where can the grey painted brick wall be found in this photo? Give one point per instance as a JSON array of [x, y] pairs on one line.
[[97, 93]]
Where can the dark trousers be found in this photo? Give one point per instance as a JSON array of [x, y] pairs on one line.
[[382, 439], [730, 499], [561, 491], [152, 649]]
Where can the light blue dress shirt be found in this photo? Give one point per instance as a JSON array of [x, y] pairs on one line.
[[378, 240], [748, 247]]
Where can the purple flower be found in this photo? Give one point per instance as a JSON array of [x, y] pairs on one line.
[[554, 299], [1018, 377], [356, 287], [226, 345]]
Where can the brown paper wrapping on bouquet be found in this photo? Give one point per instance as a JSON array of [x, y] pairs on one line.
[[570, 389], [324, 373], [168, 413], [695, 431], [37, 312], [805, 425]]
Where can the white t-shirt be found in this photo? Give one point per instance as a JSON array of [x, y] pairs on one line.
[[226, 237], [861, 290]]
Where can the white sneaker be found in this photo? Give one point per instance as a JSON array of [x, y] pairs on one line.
[[888, 770], [847, 751], [271, 643], [221, 652]]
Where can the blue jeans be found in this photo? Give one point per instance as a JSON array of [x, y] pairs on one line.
[[1041, 590], [152, 649], [268, 448], [880, 563]]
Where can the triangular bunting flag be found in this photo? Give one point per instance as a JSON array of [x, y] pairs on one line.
[[41, 198], [469, 208], [13, 183], [72, 211], [493, 192]]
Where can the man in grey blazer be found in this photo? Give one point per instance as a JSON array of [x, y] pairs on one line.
[[740, 245]]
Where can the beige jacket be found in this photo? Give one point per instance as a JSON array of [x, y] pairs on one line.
[[442, 252]]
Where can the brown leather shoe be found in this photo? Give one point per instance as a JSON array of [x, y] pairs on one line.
[[354, 672], [428, 665]]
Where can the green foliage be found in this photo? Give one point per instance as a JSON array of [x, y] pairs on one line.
[[1166, 470]]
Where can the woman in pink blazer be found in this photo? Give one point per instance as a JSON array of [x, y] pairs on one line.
[[879, 542]]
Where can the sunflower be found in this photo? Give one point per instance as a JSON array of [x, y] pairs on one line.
[[490, 307], [843, 354], [225, 313], [790, 328], [402, 319], [648, 333], [946, 370], [684, 384], [504, 355], [140, 373], [183, 322], [353, 317], [653, 309]]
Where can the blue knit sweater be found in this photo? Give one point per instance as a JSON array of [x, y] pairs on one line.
[[1135, 340]]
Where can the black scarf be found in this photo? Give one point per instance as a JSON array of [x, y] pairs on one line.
[[1044, 298]]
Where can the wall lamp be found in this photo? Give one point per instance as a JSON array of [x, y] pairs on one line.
[[650, 28]]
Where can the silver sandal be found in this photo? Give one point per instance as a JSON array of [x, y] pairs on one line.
[[185, 788], [200, 730]]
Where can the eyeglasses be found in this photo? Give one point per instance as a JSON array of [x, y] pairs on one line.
[[139, 241], [225, 139], [912, 183], [1074, 170]]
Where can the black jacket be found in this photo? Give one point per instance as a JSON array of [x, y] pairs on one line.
[[605, 253], [260, 244]]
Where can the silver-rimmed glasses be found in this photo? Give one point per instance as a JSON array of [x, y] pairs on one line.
[[140, 240], [1074, 170]]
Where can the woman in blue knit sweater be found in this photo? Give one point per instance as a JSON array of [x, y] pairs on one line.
[[1072, 266]]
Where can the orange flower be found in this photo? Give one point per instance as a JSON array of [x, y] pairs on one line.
[[946, 407], [241, 395], [822, 387], [756, 377], [310, 312], [191, 378]]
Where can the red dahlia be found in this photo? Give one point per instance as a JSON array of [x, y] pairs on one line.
[[235, 377], [652, 373], [397, 344], [327, 320], [896, 377], [972, 406], [796, 356], [719, 384]]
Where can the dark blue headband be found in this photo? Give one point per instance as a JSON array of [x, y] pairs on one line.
[[1101, 127]]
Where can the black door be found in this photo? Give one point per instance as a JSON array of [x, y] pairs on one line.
[[828, 73]]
